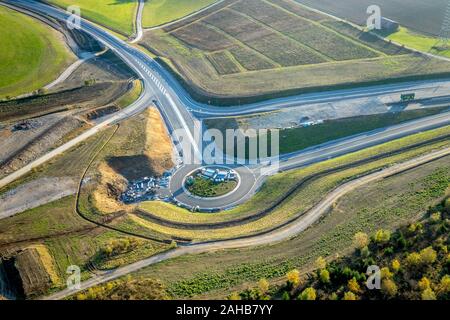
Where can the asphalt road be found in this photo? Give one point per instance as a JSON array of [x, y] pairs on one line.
[[279, 235]]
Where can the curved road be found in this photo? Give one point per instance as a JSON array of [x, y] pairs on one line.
[[279, 235]]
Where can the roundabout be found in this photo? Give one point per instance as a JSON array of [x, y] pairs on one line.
[[195, 187], [212, 182]]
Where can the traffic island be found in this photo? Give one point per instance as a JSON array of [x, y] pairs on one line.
[[212, 182]]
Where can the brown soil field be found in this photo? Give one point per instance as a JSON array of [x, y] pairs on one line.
[[423, 16], [40, 145]]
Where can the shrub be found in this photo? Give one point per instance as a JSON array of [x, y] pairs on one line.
[[428, 294], [321, 263], [324, 276], [308, 294], [353, 285], [428, 255], [360, 240], [293, 277], [388, 287], [349, 296], [382, 236], [424, 284], [395, 265]]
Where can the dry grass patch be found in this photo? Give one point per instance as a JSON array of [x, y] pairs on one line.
[[106, 195], [47, 262], [158, 146]]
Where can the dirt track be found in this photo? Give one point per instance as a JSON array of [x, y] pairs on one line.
[[35, 194]]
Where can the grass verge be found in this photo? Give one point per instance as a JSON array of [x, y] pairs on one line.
[[31, 55]]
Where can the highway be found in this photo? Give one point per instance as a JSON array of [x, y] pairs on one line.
[[285, 233]]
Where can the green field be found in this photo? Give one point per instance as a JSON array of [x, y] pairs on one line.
[[158, 12], [299, 138], [117, 15], [420, 42], [31, 54], [207, 189]]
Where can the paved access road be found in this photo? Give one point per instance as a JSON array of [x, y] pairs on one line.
[[279, 235]]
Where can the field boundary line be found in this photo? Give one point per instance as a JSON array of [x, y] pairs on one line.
[[197, 20], [320, 25], [193, 14], [242, 44]]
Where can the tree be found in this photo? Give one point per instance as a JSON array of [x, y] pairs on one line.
[[386, 273], [308, 294], [234, 296], [382, 236], [413, 259], [293, 277], [365, 252], [428, 294], [428, 255], [388, 287], [395, 265], [444, 285], [353, 286], [285, 296], [435, 217], [349, 296], [321, 263], [360, 240], [263, 286], [81, 296], [424, 284], [324, 276]]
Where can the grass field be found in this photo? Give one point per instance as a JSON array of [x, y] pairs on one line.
[[296, 139], [231, 54], [31, 55], [117, 15], [131, 96], [385, 204], [207, 189], [420, 42], [159, 12]]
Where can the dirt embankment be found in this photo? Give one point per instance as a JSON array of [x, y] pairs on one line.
[[158, 145], [29, 272], [90, 96], [115, 172], [111, 186]]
